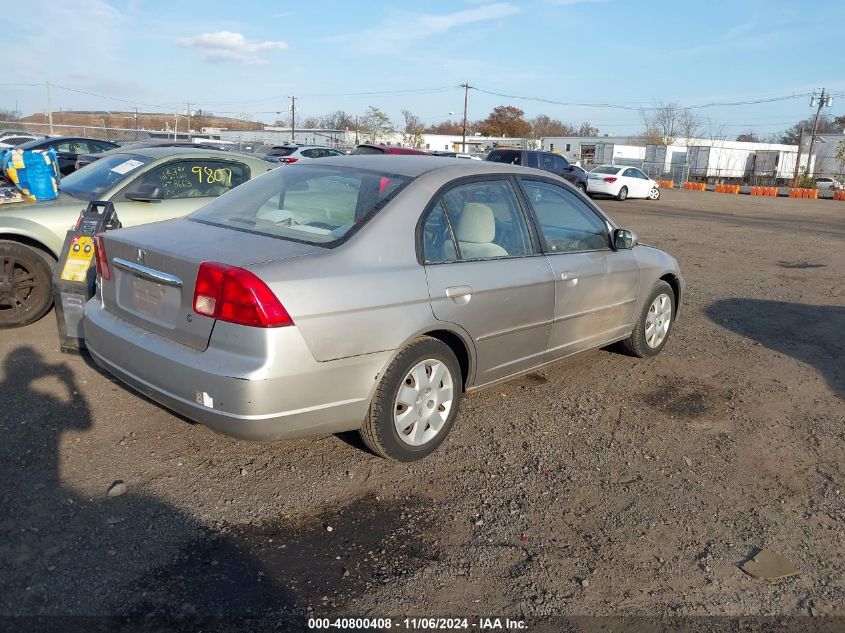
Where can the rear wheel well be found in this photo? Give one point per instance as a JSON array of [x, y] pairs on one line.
[[33, 244], [676, 287], [458, 347]]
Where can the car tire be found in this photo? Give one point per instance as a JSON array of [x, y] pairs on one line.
[[26, 287], [654, 194], [429, 410], [623, 194], [658, 311], [581, 187]]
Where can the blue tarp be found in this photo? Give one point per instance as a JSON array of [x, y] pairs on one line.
[[35, 173]]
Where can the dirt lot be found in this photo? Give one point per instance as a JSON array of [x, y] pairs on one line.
[[604, 485]]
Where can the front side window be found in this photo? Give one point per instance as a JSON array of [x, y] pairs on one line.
[[193, 179], [103, 175], [567, 224], [312, 203], [477, 220]]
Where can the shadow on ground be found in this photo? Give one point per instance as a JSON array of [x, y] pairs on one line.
[[68, 554], [812, 334]]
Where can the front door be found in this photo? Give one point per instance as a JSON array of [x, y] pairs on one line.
[[486, 275], [596, 288]]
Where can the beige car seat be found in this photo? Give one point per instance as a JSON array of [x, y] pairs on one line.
[[475, 232]]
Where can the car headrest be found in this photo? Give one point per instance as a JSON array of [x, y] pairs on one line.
[[476, 224]]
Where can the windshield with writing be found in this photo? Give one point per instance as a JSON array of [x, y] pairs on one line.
[[92, 181]]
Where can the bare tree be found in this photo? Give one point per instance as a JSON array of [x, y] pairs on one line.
[[413, 130], [9, 115], [543, 125], [666, 122]]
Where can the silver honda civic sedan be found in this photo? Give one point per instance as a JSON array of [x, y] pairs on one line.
[[370, 293]]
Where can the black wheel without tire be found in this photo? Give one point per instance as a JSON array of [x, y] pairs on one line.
[[26, 289], [415, 403], [652, 329], [623, 193]]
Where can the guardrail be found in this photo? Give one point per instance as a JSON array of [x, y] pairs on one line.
[[803, 193], [765, 191], [733, 189]]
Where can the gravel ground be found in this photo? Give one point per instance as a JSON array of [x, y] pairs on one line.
[[604, 485]]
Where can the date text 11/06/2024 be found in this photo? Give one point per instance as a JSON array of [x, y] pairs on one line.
[[419, 624]]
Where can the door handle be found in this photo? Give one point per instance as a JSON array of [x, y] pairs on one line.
[[571, 279], [459, 294]]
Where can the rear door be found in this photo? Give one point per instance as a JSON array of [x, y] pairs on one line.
[[485, 275], [596, 288], [637, 187]]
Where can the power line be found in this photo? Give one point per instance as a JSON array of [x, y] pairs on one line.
[[622, 106]]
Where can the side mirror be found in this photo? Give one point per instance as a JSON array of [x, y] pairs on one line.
[[624, 239], [145, 193]]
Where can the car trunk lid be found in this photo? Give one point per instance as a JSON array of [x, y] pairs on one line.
[[154, 270]]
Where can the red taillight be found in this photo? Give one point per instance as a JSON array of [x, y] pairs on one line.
[[101, 257], [287, 160], [236, 295], [610, 179]]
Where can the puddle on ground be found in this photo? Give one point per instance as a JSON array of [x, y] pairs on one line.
[[681, 398], [531, 380], [287, 565]]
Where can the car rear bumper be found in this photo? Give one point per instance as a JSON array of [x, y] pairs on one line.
[[276, 390], [600, 186]]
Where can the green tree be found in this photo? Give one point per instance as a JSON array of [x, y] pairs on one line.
[[506, 121], [375, 124]]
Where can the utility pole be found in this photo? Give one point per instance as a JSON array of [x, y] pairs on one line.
[[293, 120], [824, 101], [175, 125], [189, 120], [49, 109], [466, 88], [136, 124], [798, 158], [356, 130]]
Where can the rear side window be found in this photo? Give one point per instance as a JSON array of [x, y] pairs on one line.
[[314, 204], [507, 156], [567, 224], [477, 220], [531, 159], [194, 178]]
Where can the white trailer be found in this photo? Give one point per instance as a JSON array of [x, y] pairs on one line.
[[615, 154], [712, 161]]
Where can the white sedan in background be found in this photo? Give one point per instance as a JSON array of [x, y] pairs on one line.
[[621, 182]]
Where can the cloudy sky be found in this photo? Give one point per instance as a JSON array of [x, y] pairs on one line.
[[249, 57]]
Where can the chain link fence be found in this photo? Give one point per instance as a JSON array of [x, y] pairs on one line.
[[116, 135]]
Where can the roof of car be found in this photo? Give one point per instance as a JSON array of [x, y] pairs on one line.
[[414, 165], [52, 139], [163, 151]]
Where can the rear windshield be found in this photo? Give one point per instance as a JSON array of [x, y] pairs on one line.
[[281, 151], [312, 203], [367, 149], [606, 169], [509, 156]]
